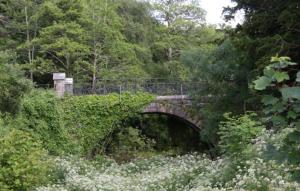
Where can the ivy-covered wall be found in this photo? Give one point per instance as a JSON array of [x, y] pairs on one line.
[[91, 119], [77, 124]]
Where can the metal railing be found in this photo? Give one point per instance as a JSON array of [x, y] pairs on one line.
[[157, 88], [154, 86]]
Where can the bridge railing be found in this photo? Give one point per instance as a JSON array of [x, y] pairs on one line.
[[157, 88]]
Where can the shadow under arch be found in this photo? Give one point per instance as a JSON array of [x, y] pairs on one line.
[[183, 134], [189, 123]]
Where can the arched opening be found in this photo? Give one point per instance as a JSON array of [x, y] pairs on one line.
[[155, 133], [172, 133]]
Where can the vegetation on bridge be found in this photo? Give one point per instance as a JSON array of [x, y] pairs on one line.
[[92, 119]]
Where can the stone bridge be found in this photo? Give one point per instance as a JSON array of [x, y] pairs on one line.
[[178, 106], [172, 99]]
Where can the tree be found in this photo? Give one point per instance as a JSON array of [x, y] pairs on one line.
[[12, 84], [180, 18], [180, 21], [223, 71], [21, 25], [63, 41], [271, 27]]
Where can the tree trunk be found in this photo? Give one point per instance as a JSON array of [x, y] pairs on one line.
[[29, 52], [170, 53], [95, 56]]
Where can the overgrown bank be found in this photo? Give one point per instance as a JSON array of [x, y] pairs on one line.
[[191, 172], [47, 126], [251, 121], [62, 143]]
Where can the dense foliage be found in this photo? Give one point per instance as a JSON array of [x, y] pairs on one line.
[[42, 116], [75, 125], [189, 172], [282, 105], [24, 162], [249, 105], [236, 133], [270, 27], [12, 85], [92, 119], [100, 39]]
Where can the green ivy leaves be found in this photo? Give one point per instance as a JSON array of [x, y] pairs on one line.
[[92, 118]]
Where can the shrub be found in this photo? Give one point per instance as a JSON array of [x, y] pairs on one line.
[[190, 172], [24, 163], [237, 132], [281, 85], [127, 143]]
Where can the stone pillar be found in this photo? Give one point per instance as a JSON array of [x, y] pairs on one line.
[[69, 85], [59, 83]]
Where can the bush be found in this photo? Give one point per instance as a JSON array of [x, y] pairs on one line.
[[24, 163], [281, 86], [237, 132], [127, 143]]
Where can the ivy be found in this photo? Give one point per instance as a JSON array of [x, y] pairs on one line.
[[41, 115], [92, 119]]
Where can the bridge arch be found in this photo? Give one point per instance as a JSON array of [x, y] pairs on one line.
[[175, 106]]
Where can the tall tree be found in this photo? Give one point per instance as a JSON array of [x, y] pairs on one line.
[[19, 20], [180, 17], [180, 20], [271, 27], [62, 40], [112, 54]]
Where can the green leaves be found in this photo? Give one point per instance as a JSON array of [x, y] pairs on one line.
[[281, 76], [12, 85], [298, 77], [290, 92], [270, 76], [92, 118], [269, 100], [24, 163], [274, 74], [281, 62], [284, 111], [237, 132], [41, 114], [262, 83]]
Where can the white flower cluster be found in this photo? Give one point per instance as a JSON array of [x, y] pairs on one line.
[[190, 172]]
